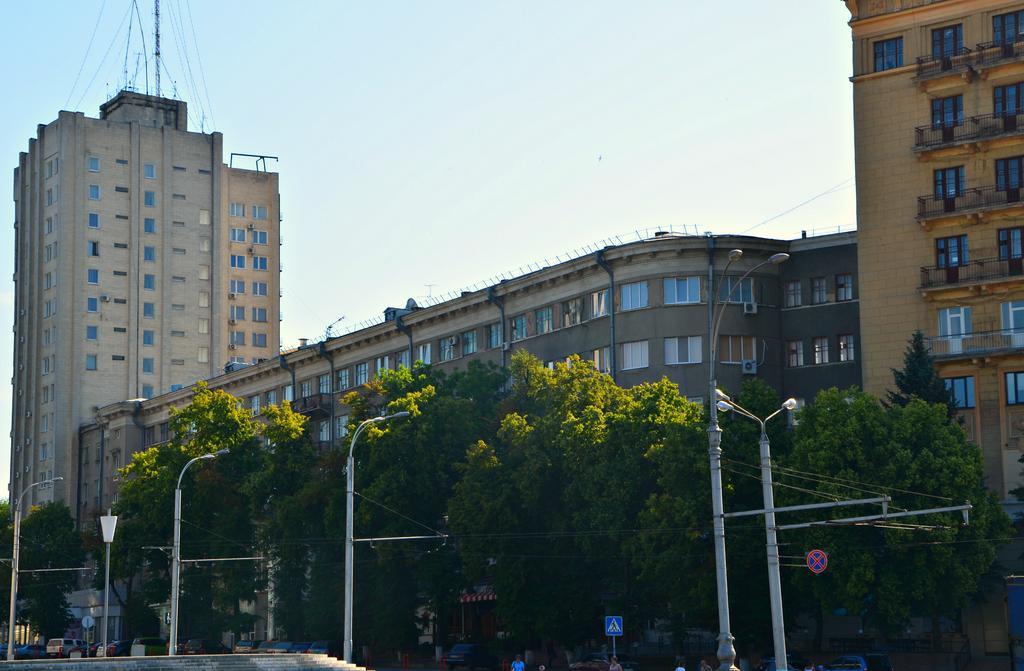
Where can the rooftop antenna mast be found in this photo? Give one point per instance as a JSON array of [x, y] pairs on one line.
[[156, 41]]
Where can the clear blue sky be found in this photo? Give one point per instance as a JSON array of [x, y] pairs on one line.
[[442, 142]]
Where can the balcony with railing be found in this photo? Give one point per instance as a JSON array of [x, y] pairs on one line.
[[974, 272], [930, 67], [982, 343], [965, 60], [972, 129], [989, 54], [317, 405], [973, 199]]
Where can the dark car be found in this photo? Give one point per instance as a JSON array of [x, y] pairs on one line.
[[265, 647], [872, 661], [31, 651], [281, 647], [795, 659], [601, 661], [324, 648], [119, 649], [203, 646], [246, 647], [470, 656], [299, 648]]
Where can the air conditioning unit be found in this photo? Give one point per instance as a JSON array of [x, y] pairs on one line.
[[749, 366], [28, 413], [506, 346], [251, 226], [105, 298], [750, 308], [232, 296], [232, 346], [453, 340], [251, 250], [232, 321]]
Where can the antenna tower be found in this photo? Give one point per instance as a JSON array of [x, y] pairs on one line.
[[156, 41]]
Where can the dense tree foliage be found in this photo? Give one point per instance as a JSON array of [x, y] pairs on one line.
[[48, 541], [919, 379]]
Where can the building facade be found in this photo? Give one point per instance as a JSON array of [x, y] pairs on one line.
[[794, 325], [143, 263]]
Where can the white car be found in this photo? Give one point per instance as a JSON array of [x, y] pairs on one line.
[[61, 647]]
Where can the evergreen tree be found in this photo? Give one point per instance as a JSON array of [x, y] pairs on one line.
[[919, 379]]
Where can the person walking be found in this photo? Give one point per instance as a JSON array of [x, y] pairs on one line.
[[680, 665], [615, 666], [518, 665], [704, 666]]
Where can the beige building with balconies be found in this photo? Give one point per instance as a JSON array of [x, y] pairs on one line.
[[142, 264]]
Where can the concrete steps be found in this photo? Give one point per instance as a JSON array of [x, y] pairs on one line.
[[188, 663]]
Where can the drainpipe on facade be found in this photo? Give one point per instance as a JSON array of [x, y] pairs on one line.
[[322, 352], [283, 362], [402, 328], [492, 297], [599, 258]]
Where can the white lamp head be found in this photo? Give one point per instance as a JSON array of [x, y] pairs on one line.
[[723, 406], [735, 254], [107, 525], [776, 259], [721, 395], [790, 404]]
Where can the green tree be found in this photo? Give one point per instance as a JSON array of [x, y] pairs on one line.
[[920, 379], [48, 541]]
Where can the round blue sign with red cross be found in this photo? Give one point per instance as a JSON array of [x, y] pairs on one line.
[[817, 561]]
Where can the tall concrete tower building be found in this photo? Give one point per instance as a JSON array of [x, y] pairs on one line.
[[143, 263]]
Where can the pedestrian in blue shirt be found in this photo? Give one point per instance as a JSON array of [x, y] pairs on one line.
[[518, 665]]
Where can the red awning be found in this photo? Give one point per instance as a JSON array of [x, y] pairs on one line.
[[485, 594]]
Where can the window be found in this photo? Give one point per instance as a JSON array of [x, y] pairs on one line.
[[951, 252], [517, 325], [259, 211], [382, 363], [324, 431], [45, 424], [819, 291], [149, 198], [259, 237], [1014, 388], [92, 304], [423, 353], [402, 359], [46, 365], [468, 342], [92, 276], [254, 404], [93, 163], [543, 320], [795, 353], [949, 182], [730, 291], [92, 332], [175, 387], [52, 167], [633, 296], [343, 379], [90, 362], [238, 286], [204, 244], [736, 349], [341, 426], [955, 321], [844, 287], [147, 365], [272, 397], [1007, 28], [888, 54], [599, 303], [820, 350], [324, 383], [238, 261], [259, 314], [1012, 314], [237, 210], [846, 351], [572, 312], [493, 336], [794, 294], [680, 290], [94, 192], [947, 41], [149, 310], [236, 313], [1008, 100], [962, 390], [149, 171], [149, 225], [362, 373], [259, 263], [259, 289], [237, 235], [149, 254], [149, 282], [203, 355], [634, 355], [94, 247], [947, 112], [204, 299], [94, 220], [446, 349], [148, 337], [602, 359], [1008, 173], [687, 349], [203, 326], [238, 337]]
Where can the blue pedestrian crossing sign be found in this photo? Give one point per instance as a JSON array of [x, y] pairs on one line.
[[613, 625]]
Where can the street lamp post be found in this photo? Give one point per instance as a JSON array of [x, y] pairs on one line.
[[726, 404], [172, 646], [350, 477], [107, 525], [726, 648], [16, 511]]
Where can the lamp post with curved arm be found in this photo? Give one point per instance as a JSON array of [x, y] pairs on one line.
[[350, 484], [172, 645], [16, 512], [726, 648], [725, 404]]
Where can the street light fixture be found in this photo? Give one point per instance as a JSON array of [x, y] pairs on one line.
[[726, 404], [726, 648], [350, 474], [108, 523], [172, 646], [16, 512]]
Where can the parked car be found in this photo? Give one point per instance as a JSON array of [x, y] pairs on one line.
[[203, 646], [471, 656], [61, 647], [299, 648], [795, 659], [872, 661], [265, 647], [148, 647], [324, 648], [30, 651], [119, 648], [280, 648], [246, 647], [600, 661]]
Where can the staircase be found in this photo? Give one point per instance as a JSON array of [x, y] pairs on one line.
[[188, 663]]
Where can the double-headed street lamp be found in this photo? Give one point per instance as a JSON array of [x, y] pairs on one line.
[[725, 404], [726, 648], [172, 647], [16, 512], [350, 474]]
